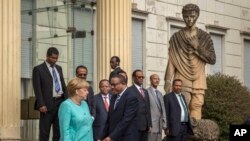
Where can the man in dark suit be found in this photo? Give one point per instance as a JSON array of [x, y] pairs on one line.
[[50, 91], [82, 72], [143, 114], [102, 106], [178, 121], [122, 120], [115, 65]]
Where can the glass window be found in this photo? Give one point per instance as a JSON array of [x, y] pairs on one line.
[[247, 63], [137, 44], [217, 41], [82, 40]]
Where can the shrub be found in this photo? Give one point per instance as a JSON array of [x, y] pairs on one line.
[[227, 102]]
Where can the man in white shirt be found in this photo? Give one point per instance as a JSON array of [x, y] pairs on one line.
[[178, 121], [102, 100], [50, 91]]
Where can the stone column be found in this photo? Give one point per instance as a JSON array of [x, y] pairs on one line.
[[10, 70], [113, 35]]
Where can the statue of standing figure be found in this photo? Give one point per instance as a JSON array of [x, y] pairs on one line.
[[189, 51]]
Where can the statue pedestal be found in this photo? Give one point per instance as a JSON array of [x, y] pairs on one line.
[[205, 129]]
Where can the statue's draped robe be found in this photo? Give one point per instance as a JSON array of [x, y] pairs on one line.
[[187, 63]]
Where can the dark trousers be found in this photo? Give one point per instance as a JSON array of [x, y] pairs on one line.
[[47, 119], [182, 136], [143, 135]]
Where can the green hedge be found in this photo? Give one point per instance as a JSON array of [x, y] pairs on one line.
[[227, 102]]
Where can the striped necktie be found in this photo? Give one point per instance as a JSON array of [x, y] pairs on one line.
[[184, 107], [106, 103], [57, 85], [142, 92]]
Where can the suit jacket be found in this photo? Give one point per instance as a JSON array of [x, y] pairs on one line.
[[173, 113], [101, 116], [122, 121], [157, 109], [43, 85], [143, 114], [91, 102], [114, 72]]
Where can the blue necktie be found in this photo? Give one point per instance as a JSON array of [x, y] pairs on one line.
[[184, 107], [57, 85], [116, 101]]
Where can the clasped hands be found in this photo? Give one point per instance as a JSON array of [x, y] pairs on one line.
[[166, 131], [43, 109]]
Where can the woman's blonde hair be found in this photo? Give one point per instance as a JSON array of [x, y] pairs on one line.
[[76, 83]]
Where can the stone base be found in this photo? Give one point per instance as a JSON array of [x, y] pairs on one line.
[[9, 133], [205, 130]]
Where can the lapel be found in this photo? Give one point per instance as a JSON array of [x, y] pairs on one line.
[[138, 92], [117, 69], [59, 72], [152, 92], [101, 99], [101, 102], [184, 100], [112, 103], [110, 96], [121, 100], [46, 69], [175, 100], [58, 69]]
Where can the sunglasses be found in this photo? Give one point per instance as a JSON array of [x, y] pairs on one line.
[[84, 74], [140, 77]]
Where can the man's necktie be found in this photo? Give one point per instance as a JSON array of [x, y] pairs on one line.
[[106, 103], [57, 85], [184, 107], [116, 101], [142, 92], [158, 99]]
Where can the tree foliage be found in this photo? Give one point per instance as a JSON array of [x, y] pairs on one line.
[[227, 102]]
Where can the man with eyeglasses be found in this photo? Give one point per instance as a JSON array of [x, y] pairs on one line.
[[122, 121], [82, 72], [143, 114]]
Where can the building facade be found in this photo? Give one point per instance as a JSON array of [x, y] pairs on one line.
[[89, 32]]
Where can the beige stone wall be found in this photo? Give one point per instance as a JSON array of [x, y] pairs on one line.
[[233, 15]]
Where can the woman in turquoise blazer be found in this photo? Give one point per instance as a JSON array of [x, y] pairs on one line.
[[75, 121]]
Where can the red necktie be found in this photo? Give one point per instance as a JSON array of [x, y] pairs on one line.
[[106, 103], [142, 92]]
